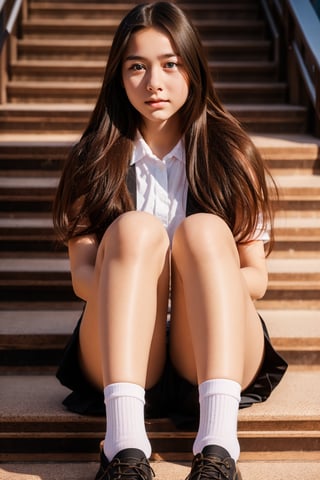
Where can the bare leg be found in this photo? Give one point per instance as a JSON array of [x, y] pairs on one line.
[[216, 335], [122, 336], [215, 331]]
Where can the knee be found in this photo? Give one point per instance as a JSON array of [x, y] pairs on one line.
[[204, 234], [133, 234]]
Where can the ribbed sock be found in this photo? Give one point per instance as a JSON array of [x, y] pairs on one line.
[[219, 404], [125, 419]]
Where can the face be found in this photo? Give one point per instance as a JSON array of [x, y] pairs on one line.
[[154, 77]]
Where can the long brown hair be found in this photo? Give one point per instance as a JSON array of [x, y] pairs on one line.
[[225, 172]]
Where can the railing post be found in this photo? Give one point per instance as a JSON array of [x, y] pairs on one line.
[[317, 106], [9, 28], [3, 75], [3, 60], [292, 70], [25, 10]]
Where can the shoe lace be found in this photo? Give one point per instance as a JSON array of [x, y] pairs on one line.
[[135, 471], [209, 468]]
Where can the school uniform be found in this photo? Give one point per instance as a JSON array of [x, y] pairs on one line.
[[160, 187]]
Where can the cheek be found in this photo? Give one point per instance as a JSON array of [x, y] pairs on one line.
[[184, 91], [183, 86], [131, 86], [128, 89]]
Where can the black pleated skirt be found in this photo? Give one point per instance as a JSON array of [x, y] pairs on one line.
[[172, 396]]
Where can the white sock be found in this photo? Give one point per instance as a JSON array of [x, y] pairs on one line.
[[125, 419], [219, 403]]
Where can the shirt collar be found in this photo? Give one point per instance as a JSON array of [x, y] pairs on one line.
[[141, 150]]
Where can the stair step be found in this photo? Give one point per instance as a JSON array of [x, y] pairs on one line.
[[56, 267], [300, 192], [274, 119], [27, 192], [294, 271], [39, 329], [87, 91], [290, 154], [297, 469], [285, 154], [105, 28], [32, 411], [27, 231], [27, 277], [55, 118], [297, 236], [299, 185], [117, 11], [33, 223], [295, 333], [31, 341], [25, 270], [72, 118], [298, 226], [38, 277], [35, 152], [71, 49], [55, 70], [37, 337]]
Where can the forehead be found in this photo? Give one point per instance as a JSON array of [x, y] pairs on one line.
[[149, 43]]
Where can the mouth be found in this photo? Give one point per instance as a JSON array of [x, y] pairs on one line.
[[156, 102]]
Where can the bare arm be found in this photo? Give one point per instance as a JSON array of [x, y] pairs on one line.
[[82, 254], [254, 268]]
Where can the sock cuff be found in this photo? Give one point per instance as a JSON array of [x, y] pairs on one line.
[[124, 389], [220, 386]]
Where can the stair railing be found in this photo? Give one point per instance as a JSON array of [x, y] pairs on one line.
[[273, 27], [295, 29], [302, 29], [9, 13]]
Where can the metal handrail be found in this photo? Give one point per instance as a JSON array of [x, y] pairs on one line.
[[305, 74], [295, 27], [273, 28], [305, 46], [2, 2], [11, 20]]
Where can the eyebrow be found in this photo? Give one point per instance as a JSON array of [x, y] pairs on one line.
[[139, 57]]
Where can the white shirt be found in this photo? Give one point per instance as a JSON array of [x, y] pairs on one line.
[[162, 186]]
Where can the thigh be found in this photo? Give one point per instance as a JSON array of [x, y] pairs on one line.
[[181, 345], [181, 348], [90, 353]]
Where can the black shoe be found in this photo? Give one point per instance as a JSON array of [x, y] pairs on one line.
[[129, 464], [213, 463]]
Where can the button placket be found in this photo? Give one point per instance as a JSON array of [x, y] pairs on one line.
[[161, 191]]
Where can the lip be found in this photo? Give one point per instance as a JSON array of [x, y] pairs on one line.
[[156, 102]]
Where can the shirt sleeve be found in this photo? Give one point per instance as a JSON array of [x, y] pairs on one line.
[[262, 232]]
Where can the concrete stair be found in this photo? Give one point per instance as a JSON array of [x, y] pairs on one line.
[[64, 117], [258, 470], [38, 312], [61, 62], [279, 439], [44, 429]]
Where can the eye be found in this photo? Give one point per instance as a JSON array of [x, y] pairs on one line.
[[136, 67], [171, 65]]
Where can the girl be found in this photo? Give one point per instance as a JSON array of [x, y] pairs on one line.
[[165, 193]]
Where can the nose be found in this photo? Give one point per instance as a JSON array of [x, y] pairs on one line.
[[154, 80]]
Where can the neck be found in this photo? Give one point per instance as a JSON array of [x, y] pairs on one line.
[[161, 138]]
